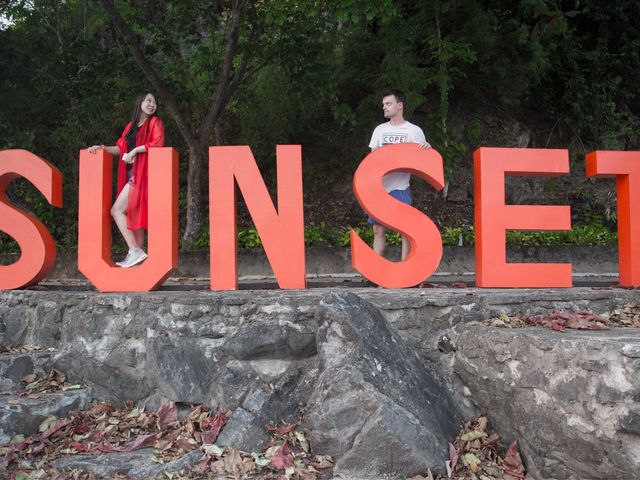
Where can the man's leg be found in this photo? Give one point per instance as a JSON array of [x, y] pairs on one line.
[[405, 247], [379, 240]]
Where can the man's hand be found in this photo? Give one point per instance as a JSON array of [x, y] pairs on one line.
[[424, 145]]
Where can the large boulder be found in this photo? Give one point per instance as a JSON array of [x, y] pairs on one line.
[[376, 407], [571, 399]]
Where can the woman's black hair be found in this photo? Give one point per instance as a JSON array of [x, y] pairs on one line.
[[137, 109]]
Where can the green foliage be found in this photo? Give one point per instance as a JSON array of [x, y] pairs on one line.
[[365, 232], [583, 235], [248, 238], [568, 71], [457, 236], [317, 234]]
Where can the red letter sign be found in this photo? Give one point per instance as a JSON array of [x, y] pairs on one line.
[[493, 217], [281, 231], [625, 167], [422, 234], [94, 223], [38, 249]]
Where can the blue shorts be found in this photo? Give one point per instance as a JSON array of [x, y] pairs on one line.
[[403, 195]]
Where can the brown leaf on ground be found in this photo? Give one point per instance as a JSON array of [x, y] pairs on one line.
[[431, 285], [281, 460], [558, 321], [211, 427], [54, 381], [27, 379], [6, 348], [284, 429], [627, 316], [322, 461], [57, 376], [167, 414], [453, 456], [512, 458], [580, 320], [100, 428], [140, 442], [233, 462], [476, 454]]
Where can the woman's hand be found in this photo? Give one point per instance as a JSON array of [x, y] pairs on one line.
[[129, 157], [95, 148]]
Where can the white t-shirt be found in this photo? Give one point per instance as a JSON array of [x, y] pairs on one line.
[[387, 134]]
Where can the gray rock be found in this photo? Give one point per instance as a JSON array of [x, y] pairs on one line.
[[256, 341], [113, 381], [136, 464], [13, 367], [631, 423], [376, 407], [243, 432], [570, 399], [24, 415], [150, 469], [181, 368], [265, 404]]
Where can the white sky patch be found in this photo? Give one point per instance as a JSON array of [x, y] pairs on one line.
[[5, 22]]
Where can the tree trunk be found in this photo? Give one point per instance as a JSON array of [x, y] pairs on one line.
[[194, 195], [233, 69]]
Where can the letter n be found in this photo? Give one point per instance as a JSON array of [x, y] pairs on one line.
[[38, 248], [281, 231]]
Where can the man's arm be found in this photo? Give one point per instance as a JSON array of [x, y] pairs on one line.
[[421, 140], [374, 143]]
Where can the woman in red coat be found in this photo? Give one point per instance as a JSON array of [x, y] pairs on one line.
[[129, 211]]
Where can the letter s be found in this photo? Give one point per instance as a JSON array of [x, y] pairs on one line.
[[419, 229], [38, 248]]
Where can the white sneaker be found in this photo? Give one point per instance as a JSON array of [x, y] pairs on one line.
[[134, 257]]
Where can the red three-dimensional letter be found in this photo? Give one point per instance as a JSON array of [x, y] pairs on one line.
[[625, 167], [419, 229], [281, 231], [38, 249], [94, 223], [493, 217]]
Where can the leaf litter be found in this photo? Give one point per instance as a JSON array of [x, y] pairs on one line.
[[101, 428], [628, 316], [15, 349], [54, 381], [477, 454]]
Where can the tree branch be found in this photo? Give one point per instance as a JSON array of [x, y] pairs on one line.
[[222, 94], [148, 69]]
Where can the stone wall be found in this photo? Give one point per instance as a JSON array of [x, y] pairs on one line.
[[262, 354]]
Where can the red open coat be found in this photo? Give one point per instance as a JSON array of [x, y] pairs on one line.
[[150, 134]]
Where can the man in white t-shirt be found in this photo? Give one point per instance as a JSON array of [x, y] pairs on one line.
[[397, 184]]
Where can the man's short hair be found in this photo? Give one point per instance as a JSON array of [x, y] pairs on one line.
[[396, 93]]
